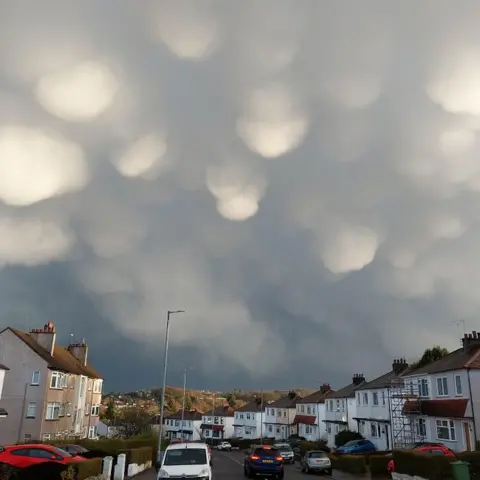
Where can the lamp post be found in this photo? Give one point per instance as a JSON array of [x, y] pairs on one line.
[[183, 401], [164, 385]]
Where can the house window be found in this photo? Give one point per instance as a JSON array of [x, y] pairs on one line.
[[309, 410], [65, 381], [338, 405], [383, 398], [253, 416], [329, 428], [284, 413], [302, 408], [375, 398], [374, 429], [358, 399], [269, 429], [308, 429], [248, 416], [361, 427], [221, 420], [343, 405], [35, 378], [365, 398], [215, 420], [95, 410], [331, 405], [458, 385], [53, 411], [272, 411], [32, 410], [92, 432], [442, 387], [421, 427], [446, 430], [97, 386], [423, 387], [56, 380]]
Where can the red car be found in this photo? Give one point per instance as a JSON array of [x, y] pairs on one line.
[[22, 456], [432, 449]]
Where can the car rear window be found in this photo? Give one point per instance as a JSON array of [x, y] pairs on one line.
[[284, 449], [186, 456], [266, 452], [317, 455], [62, 453]]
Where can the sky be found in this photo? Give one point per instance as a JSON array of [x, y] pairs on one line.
[[301, 177]]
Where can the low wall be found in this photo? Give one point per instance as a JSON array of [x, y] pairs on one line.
[[402, 476]]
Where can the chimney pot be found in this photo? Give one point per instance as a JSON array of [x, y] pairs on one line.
[[474, 333]]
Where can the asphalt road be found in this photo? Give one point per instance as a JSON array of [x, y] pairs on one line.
[[229, 466]]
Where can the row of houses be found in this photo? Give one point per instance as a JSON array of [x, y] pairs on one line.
[[47, 391], [438, 402]]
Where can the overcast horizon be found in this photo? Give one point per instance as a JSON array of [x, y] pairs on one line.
[[301, 177]]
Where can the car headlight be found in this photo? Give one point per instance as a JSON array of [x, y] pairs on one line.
[[163, 474], [204, 473]]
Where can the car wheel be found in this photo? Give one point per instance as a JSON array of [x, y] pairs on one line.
[[245, 473], [307, 470], [280, 475], [329, 472]]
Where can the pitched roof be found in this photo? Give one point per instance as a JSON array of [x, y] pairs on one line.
[[456, 360], [316, 397], [346, 392], [220, 411], [286, 402], [61, 360], [251, 407], [385, 380], [188, 415]]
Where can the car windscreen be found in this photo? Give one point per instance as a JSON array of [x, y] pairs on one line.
[[351, 443], [266, 452], [318, 455], [186, 456], [59, 451]]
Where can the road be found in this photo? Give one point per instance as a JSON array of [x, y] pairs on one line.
[[229, 466]]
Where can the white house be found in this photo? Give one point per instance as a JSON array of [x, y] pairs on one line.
[[445, 397], [217, 424], [280, 417], [248, 420], [374, 408], [190, 429], [310, 415], [341, 409]]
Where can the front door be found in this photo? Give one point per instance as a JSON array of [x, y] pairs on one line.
[[468, 441]]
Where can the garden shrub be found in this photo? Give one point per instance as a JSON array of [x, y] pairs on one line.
[[88, 468], [354, 464], [370, 454], [334, 460], [378, 464], [341, 438], [433, 467], [473, 458]]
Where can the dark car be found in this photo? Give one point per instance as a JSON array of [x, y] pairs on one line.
[[263, 460]]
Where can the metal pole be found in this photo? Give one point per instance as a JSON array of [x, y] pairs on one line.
[[261, 416], [164, 385], [213, 414], [183, 401]]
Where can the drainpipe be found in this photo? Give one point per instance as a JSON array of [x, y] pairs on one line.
[[473, 409], [390, 432]]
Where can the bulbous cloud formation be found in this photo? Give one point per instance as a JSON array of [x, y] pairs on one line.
[[301, 177]]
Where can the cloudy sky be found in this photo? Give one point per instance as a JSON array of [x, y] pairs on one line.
[[301, 176]]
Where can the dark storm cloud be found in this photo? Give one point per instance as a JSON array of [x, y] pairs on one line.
[[300, 176]]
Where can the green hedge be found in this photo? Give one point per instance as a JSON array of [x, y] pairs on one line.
[[307, 446], [378, 465], [354, 464], [88, 468], [371, 454], [140, 456], [433, 467]]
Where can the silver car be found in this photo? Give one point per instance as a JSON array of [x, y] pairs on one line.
[[286, 452], [316, 461]]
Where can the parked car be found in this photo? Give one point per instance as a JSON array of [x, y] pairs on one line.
[[286, 452], [433, 449], [263, 460], [72, 448], [189, 460], [225, 446], [22, 456], [316, 461], [356, 446]]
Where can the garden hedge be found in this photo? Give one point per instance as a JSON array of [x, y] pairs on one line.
[[378, 465], [376, 453], [354, 464], [88, 468], [433, 467], [473, 458], [140, 456]]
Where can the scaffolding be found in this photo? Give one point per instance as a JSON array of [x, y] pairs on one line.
[[403, 423]]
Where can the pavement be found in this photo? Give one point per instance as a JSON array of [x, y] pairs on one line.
[[229, 466]]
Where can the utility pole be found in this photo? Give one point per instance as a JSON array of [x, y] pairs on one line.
[[164, 383]]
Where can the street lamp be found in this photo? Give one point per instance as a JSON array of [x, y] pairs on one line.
[[183, 401], [164, 386]]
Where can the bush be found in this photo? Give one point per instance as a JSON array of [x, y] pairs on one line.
[[334, 461], [433, 467], [473, 458], [354, 464], [318, 445], [341, 438], [377, 453], [378, 464], [88, 468]]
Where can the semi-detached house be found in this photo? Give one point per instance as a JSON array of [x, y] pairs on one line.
[[185, 425], [444, 403], [280, 417], [310, 415], [341, 409], [375, 402], [217, 424], [51, 392], [248, 420]]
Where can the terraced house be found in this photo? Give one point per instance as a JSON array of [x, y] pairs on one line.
[[51, 392], [248, 420]]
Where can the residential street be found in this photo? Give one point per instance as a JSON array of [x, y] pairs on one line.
[[229, 466]]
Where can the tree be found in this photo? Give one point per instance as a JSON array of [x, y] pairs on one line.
[[231, 399], [110, 412], [188, 402], [430, 355], [341, 438], [134, 421]]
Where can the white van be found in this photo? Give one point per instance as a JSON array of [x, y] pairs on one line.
[[186, 460]]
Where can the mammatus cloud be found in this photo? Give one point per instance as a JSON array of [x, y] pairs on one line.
[[297, 180]]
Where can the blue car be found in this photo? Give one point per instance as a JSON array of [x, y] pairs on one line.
[[263, 460], [356, 446]]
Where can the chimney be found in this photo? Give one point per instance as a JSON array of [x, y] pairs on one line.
[[292, 394], [325, 388], [399, 365], [45, 337], [358, 379], [258, 401], [471, 341], [79, 351]]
